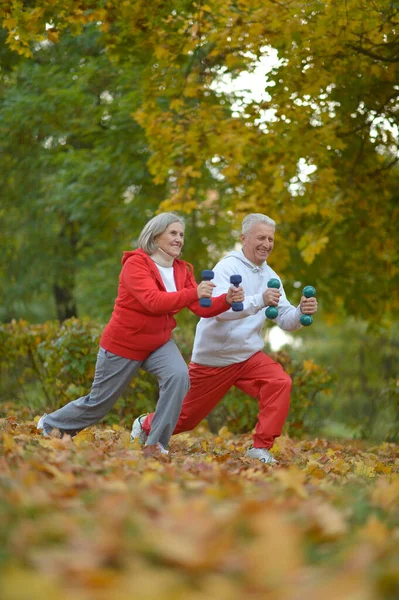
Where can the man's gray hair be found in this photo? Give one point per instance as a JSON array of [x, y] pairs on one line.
[[155, 227], [250, 220]]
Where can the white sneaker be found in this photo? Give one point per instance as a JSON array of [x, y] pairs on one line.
[[137, 430], [261, 454], [45, 430], [156, 448]]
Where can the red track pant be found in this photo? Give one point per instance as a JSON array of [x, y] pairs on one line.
[[260, 377]]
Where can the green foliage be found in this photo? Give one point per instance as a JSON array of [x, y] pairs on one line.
[[113, 111], [116, 96], [364, 362], [57, 357], [74, 179], [57, 363], [54, 363]]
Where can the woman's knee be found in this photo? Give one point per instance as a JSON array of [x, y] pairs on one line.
[[179, 377]]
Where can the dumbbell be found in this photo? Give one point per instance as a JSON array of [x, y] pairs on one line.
[[309, 292], [271, 311], [236, 280], [206, 275]]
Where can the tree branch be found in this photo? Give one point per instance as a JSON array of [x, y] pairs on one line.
[[371, 54]]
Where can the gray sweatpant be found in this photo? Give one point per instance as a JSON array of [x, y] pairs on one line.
[[113, 375]]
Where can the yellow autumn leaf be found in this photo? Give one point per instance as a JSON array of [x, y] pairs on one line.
[[9, 443], [312, 246], [364, 470], [53, 35], [161, 52], [63, 478], [386, 493], [84, 438], [340, 466], [292, 479], [329, 522], [224, 433], [375, 531], [310, 366], [314, 469], [311, 209]]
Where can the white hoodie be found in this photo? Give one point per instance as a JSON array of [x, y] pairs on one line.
[[233, 337]]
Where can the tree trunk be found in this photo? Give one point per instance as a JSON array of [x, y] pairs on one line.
[[65, 302], [64, 286]]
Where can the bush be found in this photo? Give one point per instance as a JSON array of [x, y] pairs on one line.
[[45, 366], [364, 361]]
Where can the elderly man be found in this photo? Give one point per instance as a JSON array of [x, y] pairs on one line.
[[228, 348]]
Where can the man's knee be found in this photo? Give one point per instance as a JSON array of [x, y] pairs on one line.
[[287, 380], [282, 383], [282, 380]]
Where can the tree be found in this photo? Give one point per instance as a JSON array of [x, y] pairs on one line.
[[73, 160], [334, 106]]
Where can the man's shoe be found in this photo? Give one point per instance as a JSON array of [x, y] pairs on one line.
[[262, 454], [155, 449], [138, 431], [42, 427]]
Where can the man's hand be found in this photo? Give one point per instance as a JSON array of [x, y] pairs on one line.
[[235, 294], [308, 306], [271, 296]]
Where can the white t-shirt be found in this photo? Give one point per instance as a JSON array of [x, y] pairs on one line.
[[168, 278]]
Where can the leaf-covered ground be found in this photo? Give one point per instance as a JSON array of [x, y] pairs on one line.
[[94, 518]]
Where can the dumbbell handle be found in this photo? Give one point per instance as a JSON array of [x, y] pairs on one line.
[[236, 280], [271, 311], [309, 292], [206, 275]]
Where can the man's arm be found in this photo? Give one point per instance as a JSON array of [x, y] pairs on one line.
[[288, 315], [252, 304]]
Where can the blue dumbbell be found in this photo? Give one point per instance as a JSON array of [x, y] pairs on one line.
[[206, 275], [309, 292], [236, 280], [271, 311]]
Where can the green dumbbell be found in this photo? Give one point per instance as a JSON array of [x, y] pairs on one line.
[[271, 311], [309, 292]]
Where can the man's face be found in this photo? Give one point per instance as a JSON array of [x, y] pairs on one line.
[[258, 243]]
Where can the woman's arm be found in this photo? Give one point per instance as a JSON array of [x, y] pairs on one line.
[[219, 303], [139, 281]]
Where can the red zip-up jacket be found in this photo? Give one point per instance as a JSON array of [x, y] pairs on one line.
[[142, 319]]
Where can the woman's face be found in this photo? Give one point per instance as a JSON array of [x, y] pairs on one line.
[[172, 239]]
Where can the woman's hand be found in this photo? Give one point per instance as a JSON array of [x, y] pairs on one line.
[[235, 294], [271, 296], [308, 306], [204, 290]]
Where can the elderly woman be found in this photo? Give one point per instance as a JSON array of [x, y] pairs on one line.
[[154, 285]]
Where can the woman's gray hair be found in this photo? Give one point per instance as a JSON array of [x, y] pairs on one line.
[[155, 227], [250, 220]]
